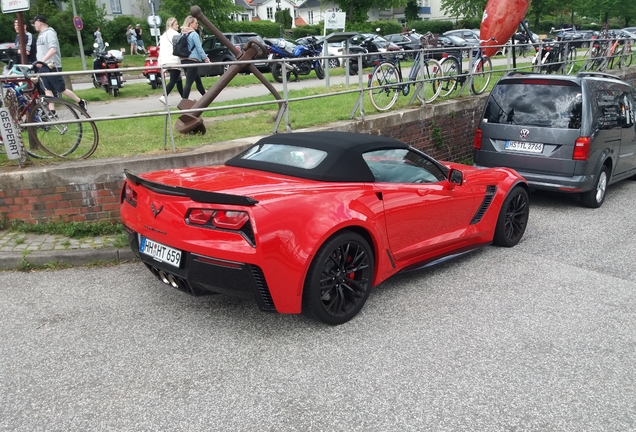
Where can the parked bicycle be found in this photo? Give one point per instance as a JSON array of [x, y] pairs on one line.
[[481, 69], [554, 56], [386, 81], [605, 52], [53, 127]]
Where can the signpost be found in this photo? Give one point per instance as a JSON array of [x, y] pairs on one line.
[[12, 6], [335, 21], [77, 22], [154, 21]]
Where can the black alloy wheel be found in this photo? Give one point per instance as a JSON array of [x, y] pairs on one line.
[[513, 218], [339, 279]]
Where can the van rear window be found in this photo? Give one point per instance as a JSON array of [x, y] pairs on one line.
[[535, 104]]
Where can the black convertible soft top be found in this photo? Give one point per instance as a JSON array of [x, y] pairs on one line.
[[344, 162]]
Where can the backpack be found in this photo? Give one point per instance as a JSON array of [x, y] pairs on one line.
[[180, 45]]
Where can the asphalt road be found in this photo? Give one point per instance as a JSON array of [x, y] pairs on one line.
[[540, 337]]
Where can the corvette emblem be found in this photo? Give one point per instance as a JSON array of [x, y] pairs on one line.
[[155, 211], [524, 133]]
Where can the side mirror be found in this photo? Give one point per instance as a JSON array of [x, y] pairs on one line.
[[455, 177]]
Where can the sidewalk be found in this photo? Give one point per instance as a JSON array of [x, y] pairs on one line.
[[43, 249]]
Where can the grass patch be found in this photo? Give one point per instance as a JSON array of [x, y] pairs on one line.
[[70, 229]]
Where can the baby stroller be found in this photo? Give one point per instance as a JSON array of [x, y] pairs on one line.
[[153, 73]]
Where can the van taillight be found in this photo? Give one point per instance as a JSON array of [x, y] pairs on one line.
[[581, 148], [477, 140]]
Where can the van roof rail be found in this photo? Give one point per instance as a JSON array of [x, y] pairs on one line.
[[598, 74]]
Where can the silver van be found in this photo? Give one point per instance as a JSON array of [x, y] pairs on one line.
[[572, 134]]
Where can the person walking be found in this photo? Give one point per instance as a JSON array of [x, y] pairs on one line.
[[31, 47], [140, 40], [98, 38], [197, 55], [50, 60], [132, 39], [169, 61]]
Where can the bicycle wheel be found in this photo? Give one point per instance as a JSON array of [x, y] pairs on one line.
[[384, 86], [76, 139], [450, 70], [481, 75], [432, 74], [570, 62]]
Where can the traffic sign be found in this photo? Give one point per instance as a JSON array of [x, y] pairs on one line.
[[10, 6], [154, 20], [77, 22]]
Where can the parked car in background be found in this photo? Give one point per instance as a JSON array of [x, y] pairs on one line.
[[6, 51], [310, 222], [217, 52], [587, 36], [453, 45], [573, 134], [470, 36], [409, 42]]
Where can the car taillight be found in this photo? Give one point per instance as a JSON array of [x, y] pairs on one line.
[[477, 140], [200, 216], [581, 148], [224, 219], [129, 195], [232, 220]]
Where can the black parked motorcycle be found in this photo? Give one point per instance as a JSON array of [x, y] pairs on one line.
[[108, 61]]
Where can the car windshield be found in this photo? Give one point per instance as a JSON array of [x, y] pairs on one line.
[[281, 154], [555, 104]]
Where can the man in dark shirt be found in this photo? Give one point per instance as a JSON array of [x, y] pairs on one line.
[[140, 41]]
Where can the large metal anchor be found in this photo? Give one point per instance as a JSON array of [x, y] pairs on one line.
[[192, 122]]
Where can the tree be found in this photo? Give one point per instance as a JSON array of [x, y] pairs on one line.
[[411, 11], [214, 10], [464, 8], [283, 17], [357, 9]]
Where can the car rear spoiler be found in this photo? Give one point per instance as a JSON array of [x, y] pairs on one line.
[[193, 194]]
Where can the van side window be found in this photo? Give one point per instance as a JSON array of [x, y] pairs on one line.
[[608, 107]]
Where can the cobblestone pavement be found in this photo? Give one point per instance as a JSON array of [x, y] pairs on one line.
[[40, 249]]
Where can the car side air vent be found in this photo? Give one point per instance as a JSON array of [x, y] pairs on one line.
[[490, 194], [262, 294]]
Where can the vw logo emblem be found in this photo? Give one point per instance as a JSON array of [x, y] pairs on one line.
[[524, 133]]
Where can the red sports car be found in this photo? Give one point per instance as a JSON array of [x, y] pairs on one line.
[[309, 222]]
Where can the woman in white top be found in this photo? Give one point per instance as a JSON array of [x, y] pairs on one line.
[[166, 59]]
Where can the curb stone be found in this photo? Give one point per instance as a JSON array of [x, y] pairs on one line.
[[76, 257]]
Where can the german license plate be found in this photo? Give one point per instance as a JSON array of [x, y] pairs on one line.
[[529, 147], [160, 252], [113, 82], [152, 77]]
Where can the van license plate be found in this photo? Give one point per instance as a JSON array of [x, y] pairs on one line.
[[159, 251], [529, 147]]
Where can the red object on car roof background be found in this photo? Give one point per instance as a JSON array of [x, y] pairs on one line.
[[500, 20]]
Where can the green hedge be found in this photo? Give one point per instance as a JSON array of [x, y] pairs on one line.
[[436, 27], [264, 28]]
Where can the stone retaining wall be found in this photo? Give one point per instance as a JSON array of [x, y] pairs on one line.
[[89, 190]]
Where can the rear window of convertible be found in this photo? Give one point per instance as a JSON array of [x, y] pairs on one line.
[[281, 154], [543, 103]]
